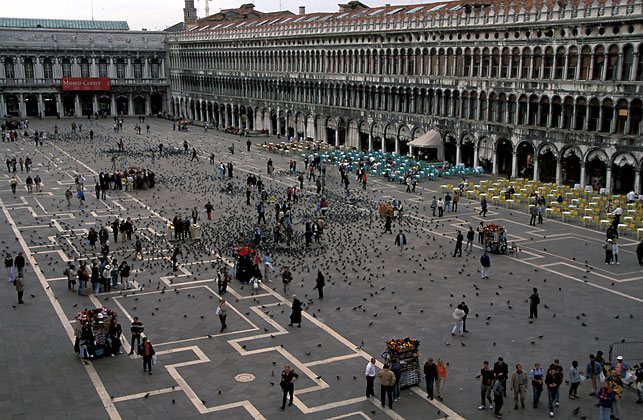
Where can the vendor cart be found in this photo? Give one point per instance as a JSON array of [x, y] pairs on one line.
[[404, 351], [495, 239], [93, 339], [386, 209], [245, 266]]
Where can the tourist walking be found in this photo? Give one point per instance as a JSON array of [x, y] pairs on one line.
[[8, 263], [136, 329], [441, 379], [295, 315], [534, 301], [574, 380], [483, 205], [606, 397], [485, 265], [286, 278], [430, 376], [498, 393], [288, 379], [486, 384], [470, 237], [222, 313], [320, 283], [147, 351], [519, 386], [370, 377], [19, 283], [537, 376], [387, 380], [552, 387], [458, 315], [400, 240], [458, 244]]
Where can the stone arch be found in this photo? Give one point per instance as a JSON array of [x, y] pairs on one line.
[[525, 152], [624, 167], [404, 137]]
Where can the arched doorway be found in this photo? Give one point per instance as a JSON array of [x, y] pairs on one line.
[[467, 150], [282, 122], [86, 103], [547, 164], [49, 101], [122, 105], [377, 136], [291, 128], [330, 131], [623, 170], [157, 103], [251, 119], [31, 105], [389, 138], [450, 148], [571, 166], [363, 136], [485, 153], [341, 130], [13, 105], [504, 157], [596, 168], [404, 139], [525, 156], [105, 104], [273, 123]]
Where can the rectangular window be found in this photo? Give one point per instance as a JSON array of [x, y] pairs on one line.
[[102, 69], [47, 70], [28, 70], [120, 70], [66, 69], [138, 70], [155, 70], [84, 69], [9, 70]]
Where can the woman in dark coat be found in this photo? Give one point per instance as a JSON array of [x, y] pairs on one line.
[[320, 284], [295, 316]]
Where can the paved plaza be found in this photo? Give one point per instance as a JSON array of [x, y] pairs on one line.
[[372, 294]]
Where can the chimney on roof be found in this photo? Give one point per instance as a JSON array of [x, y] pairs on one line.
[[302, 10], [387, 5]]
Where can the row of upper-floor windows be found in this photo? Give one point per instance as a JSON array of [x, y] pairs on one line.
[[593, 114], [29, 66], [613, 62]]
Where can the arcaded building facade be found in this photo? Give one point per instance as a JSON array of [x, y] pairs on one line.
[[37, 54], [546, 90]]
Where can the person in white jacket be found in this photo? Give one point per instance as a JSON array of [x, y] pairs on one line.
[[458, 316]]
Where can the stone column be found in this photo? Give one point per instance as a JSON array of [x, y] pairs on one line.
[[637, 181], [458, 151], [583, 176], [77, 109], [536, 169], [397, 146], [95, 103], [200, 110], [336, 136], [370, 142], [559, 171], [59, 105], [41, 106], [608, 179], [3, 106], [148, 104], [494, 160], [113, 105], [514, 165], [130, 105], [129, 74], [475, 157]]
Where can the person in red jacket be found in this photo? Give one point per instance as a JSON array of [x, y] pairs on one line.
[[147, 351]]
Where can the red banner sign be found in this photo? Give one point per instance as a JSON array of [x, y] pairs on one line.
[[86, 83]]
